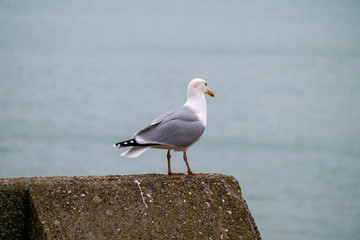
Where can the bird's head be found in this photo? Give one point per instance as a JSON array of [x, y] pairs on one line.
[[199, 86]]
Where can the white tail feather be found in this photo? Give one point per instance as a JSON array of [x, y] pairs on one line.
[[135, 151]]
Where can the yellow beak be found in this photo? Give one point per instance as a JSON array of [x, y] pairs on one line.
[[210, 93]]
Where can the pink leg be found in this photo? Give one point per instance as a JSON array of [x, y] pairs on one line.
[[169, 167], [188, 167]]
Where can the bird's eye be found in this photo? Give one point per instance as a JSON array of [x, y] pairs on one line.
[[205, 84]]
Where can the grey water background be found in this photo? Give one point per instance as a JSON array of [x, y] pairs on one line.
[[77, 76]]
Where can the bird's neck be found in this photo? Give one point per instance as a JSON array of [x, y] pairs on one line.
[[197, 102]]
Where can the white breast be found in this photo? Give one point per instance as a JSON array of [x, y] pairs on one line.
[[198, 105]]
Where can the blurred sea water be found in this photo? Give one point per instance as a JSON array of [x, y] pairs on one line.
[[77, 76]]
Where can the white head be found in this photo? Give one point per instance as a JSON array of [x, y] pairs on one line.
[[196, 98], [198, 87]]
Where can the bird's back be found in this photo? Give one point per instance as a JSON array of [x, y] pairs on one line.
[[179, 129]]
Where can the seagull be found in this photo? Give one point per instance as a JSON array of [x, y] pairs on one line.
[[176, 130]]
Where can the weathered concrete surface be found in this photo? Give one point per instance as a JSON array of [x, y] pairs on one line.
[[125, 207]]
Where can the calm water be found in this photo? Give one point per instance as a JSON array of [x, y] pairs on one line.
[[77, 76]]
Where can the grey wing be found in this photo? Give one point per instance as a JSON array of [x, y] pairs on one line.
[[155, 122], [179, 128]]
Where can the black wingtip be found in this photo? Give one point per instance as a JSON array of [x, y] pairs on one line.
[[127, 143]]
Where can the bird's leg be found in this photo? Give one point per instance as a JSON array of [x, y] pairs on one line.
[[168, 158], [169, 167], [188, 167]]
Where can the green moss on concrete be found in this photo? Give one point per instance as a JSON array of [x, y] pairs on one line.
[[125, 207]]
